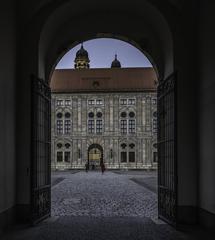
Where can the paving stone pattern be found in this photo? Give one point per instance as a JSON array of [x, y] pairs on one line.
[[92, 206], [107, 195]]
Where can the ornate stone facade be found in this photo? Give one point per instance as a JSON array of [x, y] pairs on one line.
[[117, 128], [103, 116]]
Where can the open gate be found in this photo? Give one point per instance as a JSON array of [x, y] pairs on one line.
[[167, 150], [40, 150]]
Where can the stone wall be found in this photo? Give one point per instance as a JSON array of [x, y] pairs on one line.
[[111, 138]]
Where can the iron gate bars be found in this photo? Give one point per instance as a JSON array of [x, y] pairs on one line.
[[40, 150], [167, 150]]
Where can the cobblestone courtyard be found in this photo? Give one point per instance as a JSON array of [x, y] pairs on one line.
[[118, 205], [108, 195]]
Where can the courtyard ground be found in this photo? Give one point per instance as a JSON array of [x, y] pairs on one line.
[[116, 205]]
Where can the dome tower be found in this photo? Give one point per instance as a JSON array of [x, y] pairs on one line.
[[81, 59], [116, 63]]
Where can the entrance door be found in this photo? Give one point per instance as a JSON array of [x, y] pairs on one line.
[[95, 155], [167, 155], [40, 150]]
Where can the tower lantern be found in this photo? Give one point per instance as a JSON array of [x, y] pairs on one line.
[[82, 59]]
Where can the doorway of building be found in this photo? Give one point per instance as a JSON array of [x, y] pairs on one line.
[[95, 156]]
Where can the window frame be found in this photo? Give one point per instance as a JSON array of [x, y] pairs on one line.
[[57, 156]]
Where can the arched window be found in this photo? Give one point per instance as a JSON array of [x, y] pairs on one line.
[[67, 115], [59, 115], [131, 114], [123, 114], [63, 153], [123, 153], [127, 123], [127, 153], [123, 145], [131, 145], [131, 154], [95, 122], [67, 145], [91, 115], [63, 123], [99, 114], [59, 145]]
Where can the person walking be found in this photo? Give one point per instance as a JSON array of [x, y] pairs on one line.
[[87, 166], [102, 167]]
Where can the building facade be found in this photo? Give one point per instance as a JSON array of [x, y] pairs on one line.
[[104, 115]]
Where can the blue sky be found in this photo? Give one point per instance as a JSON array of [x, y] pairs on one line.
[[101, 53]]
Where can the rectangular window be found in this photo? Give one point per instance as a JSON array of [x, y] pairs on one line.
[[99, 102], [67, 156], [59, 126], [91, 102], [59, 156], [131, 126], [123, 126], [67, 102], [123, 101], [123, 157], [59, 102], [91, 126], [98, 126], [67, 126], [131, 101], [131, 156]]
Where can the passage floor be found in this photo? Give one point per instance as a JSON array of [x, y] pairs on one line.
[[116, 205]]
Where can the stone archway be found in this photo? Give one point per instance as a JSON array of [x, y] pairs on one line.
[[50, 41], [95, 155]]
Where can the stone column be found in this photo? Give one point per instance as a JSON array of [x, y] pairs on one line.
[[84, 151], [84, 116], [116, 114], [106, 151], [74, 152], [75, 115], [143, 114], [111, 114], [79, 116], [138, 115], [144, 151], [107, 114]]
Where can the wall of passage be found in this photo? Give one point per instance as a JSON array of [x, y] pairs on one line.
[[207, 107], [7, 106]]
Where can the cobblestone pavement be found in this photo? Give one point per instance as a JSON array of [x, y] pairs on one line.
[[107, 195], [92, 206], [145, 178]]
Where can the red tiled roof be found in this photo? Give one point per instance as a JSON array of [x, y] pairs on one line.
[[103, 79]]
